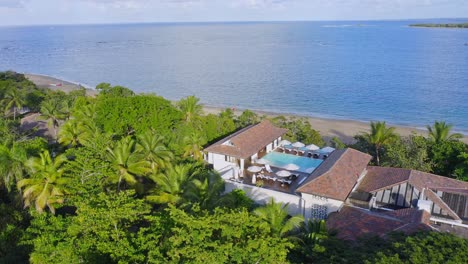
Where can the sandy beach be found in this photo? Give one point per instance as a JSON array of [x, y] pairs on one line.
[[43, 81], [328, 128]]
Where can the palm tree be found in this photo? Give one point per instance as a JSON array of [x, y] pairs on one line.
[[276, 215], [46, 186], [153, 149], [171, 184], [440, 131], [51, 111], [11, 164], [207, 190], [127, 162], [13, 98], [72, 133], [311, 234], [191, 108], [193, 146], [379, 136]]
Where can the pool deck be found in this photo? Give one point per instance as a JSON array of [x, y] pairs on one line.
[[275, 185]]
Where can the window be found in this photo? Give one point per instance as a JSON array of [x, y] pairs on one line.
[[319, 212]]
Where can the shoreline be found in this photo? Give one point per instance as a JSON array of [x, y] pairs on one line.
[[345, 129], [46, 81]]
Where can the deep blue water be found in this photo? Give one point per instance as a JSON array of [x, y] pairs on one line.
[[352, 70]]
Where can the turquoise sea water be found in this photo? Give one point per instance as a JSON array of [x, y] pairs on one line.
[[351, 70], [276, 159]]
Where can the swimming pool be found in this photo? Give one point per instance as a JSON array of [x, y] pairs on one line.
[[280, 160]]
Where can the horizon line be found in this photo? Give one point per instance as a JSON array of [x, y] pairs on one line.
[[231, 21]]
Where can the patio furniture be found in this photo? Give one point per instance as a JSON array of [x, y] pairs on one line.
[[312, 147], [298, 144], [254, 169], [268, 168], [283, 173]]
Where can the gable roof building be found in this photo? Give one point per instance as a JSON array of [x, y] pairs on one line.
[[449, 197], [337, 175], [248, 141]]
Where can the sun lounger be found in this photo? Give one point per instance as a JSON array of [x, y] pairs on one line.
[[268, 168]]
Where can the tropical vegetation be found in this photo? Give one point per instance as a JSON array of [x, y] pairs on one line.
[[120, 178]]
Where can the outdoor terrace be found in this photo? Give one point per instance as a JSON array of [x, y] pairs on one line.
[[275, 185]]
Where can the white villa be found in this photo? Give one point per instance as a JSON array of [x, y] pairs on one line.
[[339, 185]]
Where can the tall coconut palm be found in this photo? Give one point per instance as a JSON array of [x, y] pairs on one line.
[[153, 149], [51, 111], [47, 186], [73, 133], [191, 108], [311, 234], [13, 98], [440, 131], [127, 162], [379, 136], [193, 146], [171, 184], [206, 190], [276, 215], [11, 165]]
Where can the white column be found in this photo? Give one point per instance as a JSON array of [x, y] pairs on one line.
[[242, 166]]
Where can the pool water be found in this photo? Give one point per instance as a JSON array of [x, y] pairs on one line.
[[276, 159]]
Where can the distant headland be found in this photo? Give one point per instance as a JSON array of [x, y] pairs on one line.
[[452, 25]]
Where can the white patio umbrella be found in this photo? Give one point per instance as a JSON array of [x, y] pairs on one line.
[[327, 150], [283, 173], [262, 161], [298, 144], [284, 142], [254, 169], [291, 166], [312, 147]]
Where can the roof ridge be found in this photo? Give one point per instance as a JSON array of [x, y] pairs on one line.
[[328, 170]]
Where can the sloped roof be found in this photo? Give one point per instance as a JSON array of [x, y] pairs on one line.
[[337, 175], [378, 178], [352, 222], [247, 141]]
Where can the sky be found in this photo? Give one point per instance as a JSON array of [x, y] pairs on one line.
[[36, 12]]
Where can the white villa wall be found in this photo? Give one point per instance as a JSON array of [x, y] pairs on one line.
[[297, 204], [219, 162], [311, 200], [262, 196]]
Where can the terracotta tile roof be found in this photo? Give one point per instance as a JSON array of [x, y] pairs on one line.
[[337, 175], [352, 222], [410, 215], [378, 178], [437, 200], [248, 141]]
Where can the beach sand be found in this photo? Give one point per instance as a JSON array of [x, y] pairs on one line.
[[328, 128], [43, 81]]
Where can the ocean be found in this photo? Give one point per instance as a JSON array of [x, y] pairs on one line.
[[372, 70]]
